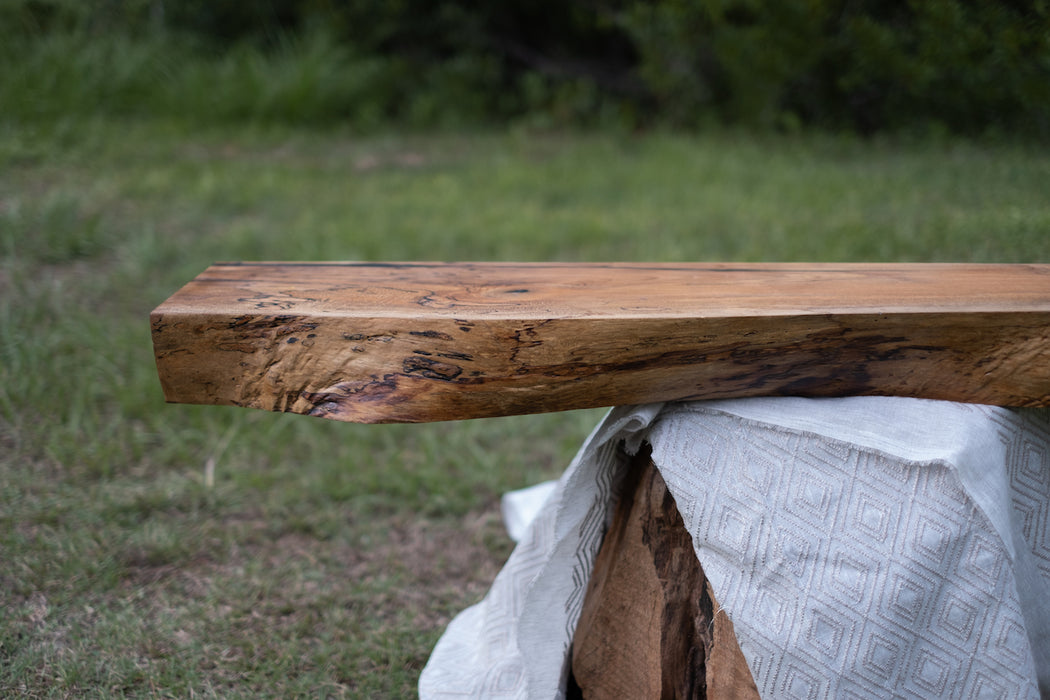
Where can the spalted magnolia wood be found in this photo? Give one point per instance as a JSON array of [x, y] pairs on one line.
[[650, 626], [429, 341]]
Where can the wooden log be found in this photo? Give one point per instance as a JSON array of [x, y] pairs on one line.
[[428, 341], [650, 625]]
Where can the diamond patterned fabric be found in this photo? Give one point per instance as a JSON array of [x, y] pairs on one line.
[[863, 547]]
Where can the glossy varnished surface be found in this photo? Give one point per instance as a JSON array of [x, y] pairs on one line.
[[429, 341]]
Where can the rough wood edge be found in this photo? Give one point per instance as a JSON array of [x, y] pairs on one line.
[[396, 345], [650, 625]]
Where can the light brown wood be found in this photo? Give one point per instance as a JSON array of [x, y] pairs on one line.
[[429, 341], [650, 625]]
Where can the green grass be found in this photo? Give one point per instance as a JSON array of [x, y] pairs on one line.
[[323, 560], [308, 78]]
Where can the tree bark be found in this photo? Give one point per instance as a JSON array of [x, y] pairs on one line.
[[650, 626]]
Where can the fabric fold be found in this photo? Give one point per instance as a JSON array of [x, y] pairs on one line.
[[861, 546], [515, 642]]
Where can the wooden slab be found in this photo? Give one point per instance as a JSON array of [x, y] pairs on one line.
[[430, 341]]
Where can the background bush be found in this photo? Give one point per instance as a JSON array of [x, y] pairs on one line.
[[863, 65]]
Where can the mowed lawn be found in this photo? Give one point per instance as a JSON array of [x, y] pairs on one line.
[[153, 550]]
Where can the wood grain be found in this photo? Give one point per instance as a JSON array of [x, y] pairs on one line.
[[650, 625], [419, 342]]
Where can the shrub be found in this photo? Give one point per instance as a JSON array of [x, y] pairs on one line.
[[856, 64]]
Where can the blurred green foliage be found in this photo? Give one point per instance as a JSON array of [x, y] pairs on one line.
[[863, 65]]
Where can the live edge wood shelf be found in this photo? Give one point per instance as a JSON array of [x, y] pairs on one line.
[[427, 341], [417, 342]]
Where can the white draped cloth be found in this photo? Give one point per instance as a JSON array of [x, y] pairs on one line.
[[863, 548]]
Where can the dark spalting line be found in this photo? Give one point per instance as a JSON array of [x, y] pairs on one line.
[[739, 353], [447, 355], [164, 354], [844, 361], [808, 379], [386, 389], [582, 369], [431, 369], [842, 367], [438, 335], [342, 399], [456, 356], [520, 343], [265, 321], [378, 389], [374, 338], [429, 299]]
